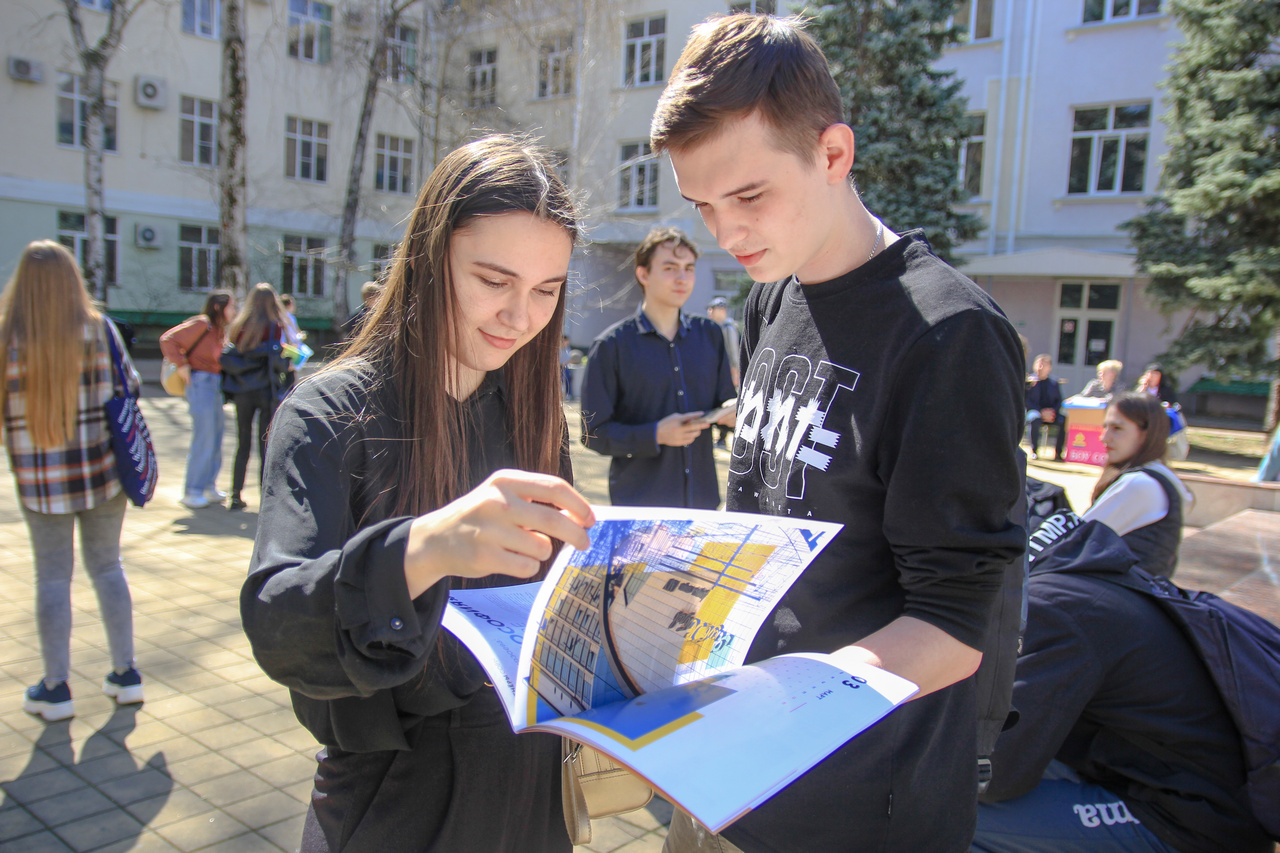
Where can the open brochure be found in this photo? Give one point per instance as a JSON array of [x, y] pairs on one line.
[[636, 647]]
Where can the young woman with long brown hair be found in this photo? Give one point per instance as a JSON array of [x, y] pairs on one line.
[[253, 378], [1136, 494], [194, 346], [432, 454], [58, 374]]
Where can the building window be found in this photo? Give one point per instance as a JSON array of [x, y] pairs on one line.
[[303, 270], [974, 17], [393, 164], [644, 51], [310, 26], [197, 257], [306, 149], [73, 111], [72, 234], [384, 255], [482, 77], [1109, 149], [402, 54], [1118, 10], [198, 132], [100, 5], [200, 17], [638, 183], [971, 152], [754, 7], [555, 67]]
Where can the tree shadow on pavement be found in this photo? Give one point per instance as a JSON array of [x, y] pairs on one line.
[[103, 796]]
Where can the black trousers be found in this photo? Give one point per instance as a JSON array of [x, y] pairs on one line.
[[249, 403]]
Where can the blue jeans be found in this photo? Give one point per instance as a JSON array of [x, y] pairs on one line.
[[1063, 815], [204, 458], [52, 544], [1269, 468]]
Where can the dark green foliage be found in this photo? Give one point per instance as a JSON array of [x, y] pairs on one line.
[[1211, 240], [908, 119]]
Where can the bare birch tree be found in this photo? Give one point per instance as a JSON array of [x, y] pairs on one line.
[[376, 66], [233, 233], [94, 58]]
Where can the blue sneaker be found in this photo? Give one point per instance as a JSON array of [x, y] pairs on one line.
[[125, 687], [52, 704]]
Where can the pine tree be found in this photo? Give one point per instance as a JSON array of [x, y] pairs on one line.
[[908, 118], [1211, 239]]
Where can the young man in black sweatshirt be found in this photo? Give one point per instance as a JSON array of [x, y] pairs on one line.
[[884, 391]]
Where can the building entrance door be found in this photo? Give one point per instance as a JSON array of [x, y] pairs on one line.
[[1087, 317]]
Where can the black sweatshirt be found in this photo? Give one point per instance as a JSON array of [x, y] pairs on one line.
[[889, 400], [327, 610]]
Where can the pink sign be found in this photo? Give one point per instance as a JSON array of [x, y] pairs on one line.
[[1084, 444]]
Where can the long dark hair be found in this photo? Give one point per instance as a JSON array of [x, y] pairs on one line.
[[215, 308], [262, 312], [1149, 416], [407, 338]]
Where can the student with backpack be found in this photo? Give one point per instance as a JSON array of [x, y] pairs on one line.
[[1126, 739]]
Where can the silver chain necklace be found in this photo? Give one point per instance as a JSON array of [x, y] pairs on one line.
[[875, 247]]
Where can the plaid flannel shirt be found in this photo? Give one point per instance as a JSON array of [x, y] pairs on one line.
[[80, 474]]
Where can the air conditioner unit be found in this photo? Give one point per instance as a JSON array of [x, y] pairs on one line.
[[147, 236], [27, 70], [151, 93]]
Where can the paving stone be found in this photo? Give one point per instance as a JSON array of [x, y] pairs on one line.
[[287, 834], [146, 842], [16, 822], [200, 769], [40, 842], [146, 783], [100, 829], [257, 751], [222, 737], [198, 832], [178, 804], [73, 805], [264, 809], [40, 786], [250, 842], [286, 771], [231, 788]]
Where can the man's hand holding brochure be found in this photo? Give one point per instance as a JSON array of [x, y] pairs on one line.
[[636, 647]]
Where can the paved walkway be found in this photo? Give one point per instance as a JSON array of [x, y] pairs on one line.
[[214, 760]]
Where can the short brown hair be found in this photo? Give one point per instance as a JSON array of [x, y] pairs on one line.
[[662, 237], [735, 65]]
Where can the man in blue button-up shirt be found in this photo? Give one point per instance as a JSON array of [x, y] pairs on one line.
[[650, 378]]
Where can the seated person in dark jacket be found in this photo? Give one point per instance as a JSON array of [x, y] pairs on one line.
[[1123, 742], [1044, 405], [1153, 382]]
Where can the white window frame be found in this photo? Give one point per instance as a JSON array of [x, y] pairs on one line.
[[639, 169], [77, 240], [402, 54], [198, 258], [302, 263], [306, 148], [754, 7], [198, 121], [202, 18], [77, 100], [971, 144], [555, 67], [1129, 10], [644, 55], [381, 259], [310, 30], [393, 164], [970, 14], [482, 77], [1098, 139]]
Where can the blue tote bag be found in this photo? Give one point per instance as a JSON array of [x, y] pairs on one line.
[[130, 438]]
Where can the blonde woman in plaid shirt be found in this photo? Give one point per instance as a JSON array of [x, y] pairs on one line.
[[58, 374]]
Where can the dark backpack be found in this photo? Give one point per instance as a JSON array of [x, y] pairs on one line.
[[1241, 650]]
